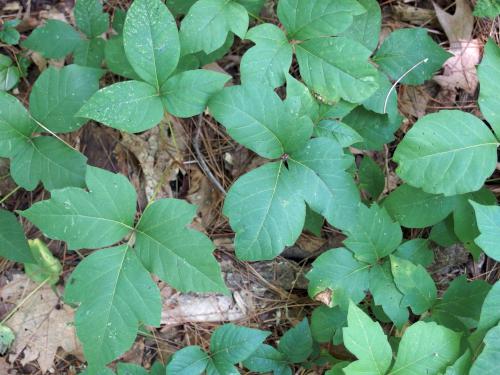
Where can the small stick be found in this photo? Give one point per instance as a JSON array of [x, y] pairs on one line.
[[201, 160]]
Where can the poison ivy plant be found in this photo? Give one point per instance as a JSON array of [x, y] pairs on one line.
[[266, 207], [13, 243], [229, 345], [488, 221], [312, 33], [425, 348], [346, 274], [8, 32], [152, 47], [295, 346], [447, 152], [460, 306], [487, 8], [112, 286], [403, 49], [488, 73], [9, 73], [54, 100], [56, 39]]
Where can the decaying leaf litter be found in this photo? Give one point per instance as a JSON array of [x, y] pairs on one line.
[[166, 162]]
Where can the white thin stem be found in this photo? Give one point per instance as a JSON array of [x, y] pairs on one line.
[[400, 79]]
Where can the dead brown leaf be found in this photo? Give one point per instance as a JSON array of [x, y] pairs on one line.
[[41, 325], [158, 152], [460, 70], [413, 101]]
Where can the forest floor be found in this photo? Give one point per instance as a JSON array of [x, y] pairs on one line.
[[165, 162]]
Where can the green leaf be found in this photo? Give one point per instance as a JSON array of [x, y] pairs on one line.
[[371, 178], [414, 208], [116, 60], [265, 211], [381, 102], [460, 307], [336, 110], [490, 311], [386, 294], [231, 344], [252, 6], [75, 215], [130, 369], [314, 19], [186, 94], [318, 173], [191, 360], [181, 256], [54, 40], [426, 348], [462, 365], [208, 22], [297, 344], [365, 27], [342, 133], [415, 283], [9, 34], [151, 41], [58, 94], [115, 293], [7, 337], [327, 323], [338, 273], [16, 125], [443, 233], [464, 218], [89, 53], [447, 152], [266, 359], [403, 49], [375, 129], [324, 68], [13, 244], [366, 340], [48, 160], [255, 116], [489, 73], [299, 99], [119, 16], [313, 222], [46, 267], [90, 18], [374, 236], [131, 106], [9, 74], [488, 222], [270, 59], [488, 360], [180, 7], [416, 251], [487, 8]]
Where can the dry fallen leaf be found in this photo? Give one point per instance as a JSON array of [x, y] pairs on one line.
[[41, 325], [459, 70], [155, 150]]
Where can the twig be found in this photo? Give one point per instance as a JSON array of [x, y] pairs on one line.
[[201, 160]]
